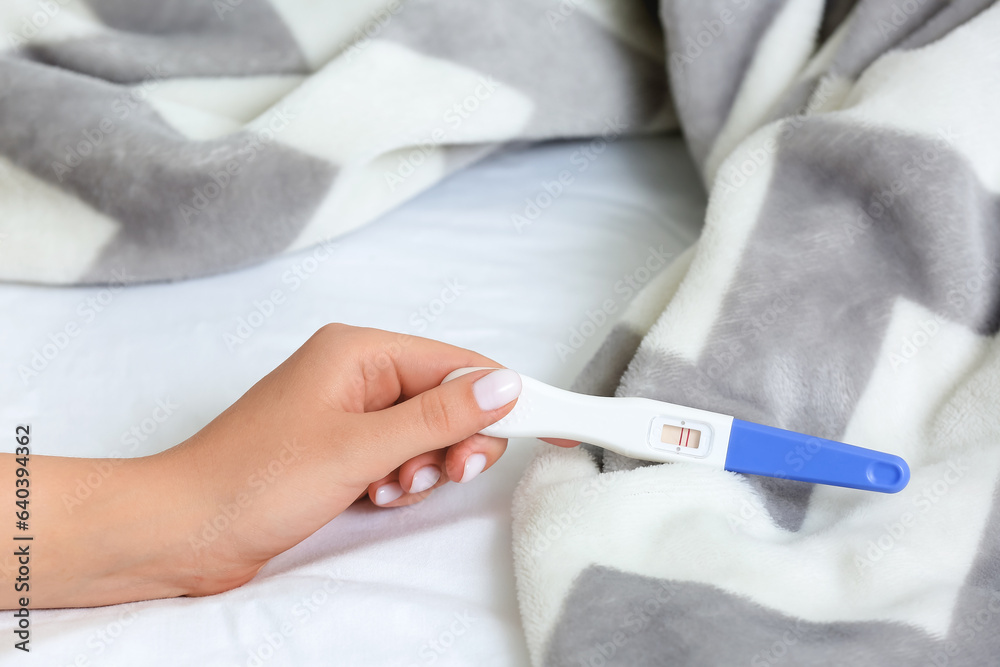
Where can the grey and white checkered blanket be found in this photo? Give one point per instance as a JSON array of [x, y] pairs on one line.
[[847, 283]]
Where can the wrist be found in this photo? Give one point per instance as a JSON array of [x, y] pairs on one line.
[[105, 534], [151, 516], [192, 531]]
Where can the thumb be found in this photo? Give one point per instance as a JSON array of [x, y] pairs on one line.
[[444, 415]]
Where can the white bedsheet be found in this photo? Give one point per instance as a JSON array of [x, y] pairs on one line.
[[428, 585]]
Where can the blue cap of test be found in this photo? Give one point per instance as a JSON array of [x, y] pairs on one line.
[[764, 450]]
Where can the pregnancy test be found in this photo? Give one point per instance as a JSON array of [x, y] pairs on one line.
[[642, 428]]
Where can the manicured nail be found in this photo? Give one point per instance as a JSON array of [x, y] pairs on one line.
[[424, 479], [386, 493], [473, 466], [496, 389]]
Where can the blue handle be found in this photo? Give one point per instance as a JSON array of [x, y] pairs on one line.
[[756, 449]]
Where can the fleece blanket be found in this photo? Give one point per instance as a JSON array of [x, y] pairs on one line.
[[144, 140], [847, 285]]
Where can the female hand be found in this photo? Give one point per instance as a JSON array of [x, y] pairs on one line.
[[353, 411]]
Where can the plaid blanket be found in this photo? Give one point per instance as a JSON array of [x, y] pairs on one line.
[[149, 141], [846, 285]]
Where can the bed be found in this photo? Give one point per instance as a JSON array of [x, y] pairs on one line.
[[844, 285], [432, 584]]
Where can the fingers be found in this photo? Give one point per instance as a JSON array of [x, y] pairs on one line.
[[418, 477], [386, 492], [466, 460], [423, 472], [438, 417], [411, 483], [561, 442], [389, 365]]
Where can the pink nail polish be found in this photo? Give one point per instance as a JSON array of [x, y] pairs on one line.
[[424, 478], [473, 466], [386, 493], [496, 389]]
